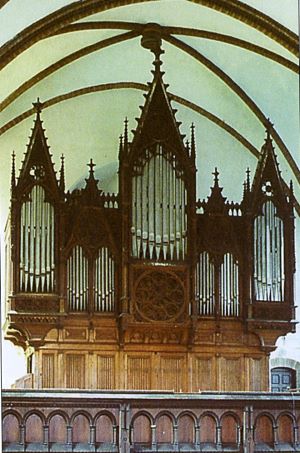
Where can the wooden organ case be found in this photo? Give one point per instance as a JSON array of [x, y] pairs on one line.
[[148, 289]]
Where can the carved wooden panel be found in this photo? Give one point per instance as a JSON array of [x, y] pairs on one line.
[[142, 430], [256, 369], [229, 430], [81, 429], [208, 429], [159, 296], [264, 430], [57, 429], [104, 429], [48, 371], [138, 372], [186, 429], [34, 429], [285, 429], [164, 429], [75, 371], [43, 305], [105, 371], [203, 374], [171, 373], [231, 373], [10, 431]]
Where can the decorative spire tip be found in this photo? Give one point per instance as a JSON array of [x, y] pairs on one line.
[[38, 105], [216, 176], [91, 166]]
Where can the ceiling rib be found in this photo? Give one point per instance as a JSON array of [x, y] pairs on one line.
[[190, 51], [78, 10], [138, 86], [228, 39], [241, 94], [63, 62]]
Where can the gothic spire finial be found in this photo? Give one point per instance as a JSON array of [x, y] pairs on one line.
[[38, 105], [248, 179], [62, 174], [216, 177], [125, 136], [91, 166], [151, 39], [13, 171], [193, 144], [120, 146]]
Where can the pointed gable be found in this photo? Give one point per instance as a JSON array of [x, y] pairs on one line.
[[37, 166], [267, 182], [157, 122], [216, 203]]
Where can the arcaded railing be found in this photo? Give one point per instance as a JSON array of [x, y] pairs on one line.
[[85, 421]]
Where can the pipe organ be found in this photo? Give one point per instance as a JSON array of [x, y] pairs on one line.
[[159, 202], [37, 243], [77, 280], [104, 289], [229, 286], [205, 285], [149, 287], [268, 254]]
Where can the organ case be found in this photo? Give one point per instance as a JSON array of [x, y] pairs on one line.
[[149, 288]]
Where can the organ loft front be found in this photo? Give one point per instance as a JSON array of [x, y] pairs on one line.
[[148, 288]]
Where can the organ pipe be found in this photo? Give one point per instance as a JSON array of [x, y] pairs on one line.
[[104, 289], [159, 205], [77, 280], [37, 264], [229, 296], [268, 255], [204, 285]]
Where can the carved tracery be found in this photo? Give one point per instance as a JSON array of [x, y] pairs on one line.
[[159, 296]]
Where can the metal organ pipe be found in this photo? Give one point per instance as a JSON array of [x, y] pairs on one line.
[[104, 293], [204, 282], [77, 280], [268, 273], [36, 246], [229, 296], [159, 203]]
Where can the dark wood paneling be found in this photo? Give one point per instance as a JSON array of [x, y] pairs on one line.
[[57, 430], [11, 433], [264, 430], [81, 429], [186, 429], [229, 429], [208, 429], [142, 430], [104, 429], [285, 429], [164, 429], [34, 429]]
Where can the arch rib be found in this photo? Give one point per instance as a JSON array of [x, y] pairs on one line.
[[78, 10], [239, 92]]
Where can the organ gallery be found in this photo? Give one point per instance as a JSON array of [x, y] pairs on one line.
[[149, 288]]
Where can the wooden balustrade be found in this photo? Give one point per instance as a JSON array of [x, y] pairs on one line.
[[146, 422]]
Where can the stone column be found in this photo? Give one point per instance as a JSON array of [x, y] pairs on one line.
[[69, 435], [92, 435], [46, 435], [153, 437]]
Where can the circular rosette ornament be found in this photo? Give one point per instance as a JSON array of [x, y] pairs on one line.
[[159, 296]]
